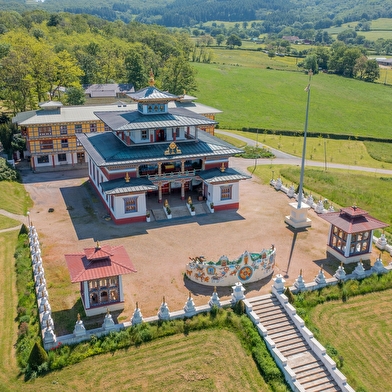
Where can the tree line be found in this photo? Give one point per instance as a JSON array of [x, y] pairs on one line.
[[41, 54]]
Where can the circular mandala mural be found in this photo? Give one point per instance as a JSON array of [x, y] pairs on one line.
[[245, 273]]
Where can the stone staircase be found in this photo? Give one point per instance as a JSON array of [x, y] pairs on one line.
[[180, 212], [310, 372]]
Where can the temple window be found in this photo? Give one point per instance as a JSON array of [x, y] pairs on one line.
[[64, 143], [43, 159], [130, 204], [62, 157], [226, 192], [144, 134], [63, 130], [360, 242], [93, 127], [46, 144], [149, 109], [45, 131], [78, 128]]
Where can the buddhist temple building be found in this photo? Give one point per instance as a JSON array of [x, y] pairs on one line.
[[50, 131], [99, 272], [351, 233], [157, 149]]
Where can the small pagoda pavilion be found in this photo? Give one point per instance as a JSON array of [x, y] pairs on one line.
[[351, 233], [99, 271]]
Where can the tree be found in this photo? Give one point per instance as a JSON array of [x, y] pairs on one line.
[[75, 96], [178, 76], [372, 71], [136, 71], [233, 40], [310, 63], [219, 39]]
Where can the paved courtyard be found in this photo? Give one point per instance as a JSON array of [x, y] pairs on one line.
[[160, 249]]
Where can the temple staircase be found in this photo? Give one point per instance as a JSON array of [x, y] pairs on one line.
[[311, 374]]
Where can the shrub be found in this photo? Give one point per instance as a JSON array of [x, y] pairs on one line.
[[38, 356], [239, 307]]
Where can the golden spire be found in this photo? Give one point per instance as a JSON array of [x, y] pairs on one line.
[[164, 300], [127, 178], [98, 246], [137, 305], [78, 316], [151, 80], [214, 289], [190, 295], [223, 168], [300, 272]]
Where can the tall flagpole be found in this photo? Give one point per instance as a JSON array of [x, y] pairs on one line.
[[301, 179]]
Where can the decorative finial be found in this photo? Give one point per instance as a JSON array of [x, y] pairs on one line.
[[107, 311], [222, 168], [190, 295], [300, 272], [214, 289], [78, 316], [127, 178], [137, 305], [164, 300], [98, 246], [151, 80]]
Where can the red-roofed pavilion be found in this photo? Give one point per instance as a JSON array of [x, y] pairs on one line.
[[99, 271], [351, 233]]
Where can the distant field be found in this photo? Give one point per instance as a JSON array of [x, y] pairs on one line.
[[252, 96]]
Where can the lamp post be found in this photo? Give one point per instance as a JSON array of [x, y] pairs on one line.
[[301, 178]]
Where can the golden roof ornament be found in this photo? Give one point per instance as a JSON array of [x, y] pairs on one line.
[[173, 149], [223, 167], [98, 246], [127, 178], [151, 80], [78, 316]]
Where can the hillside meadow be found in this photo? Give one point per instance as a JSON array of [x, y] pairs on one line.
[[255, 97]]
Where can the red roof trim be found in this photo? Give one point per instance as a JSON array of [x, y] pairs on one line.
[[82, 269]]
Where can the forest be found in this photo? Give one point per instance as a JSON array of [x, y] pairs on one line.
[[274, 14]]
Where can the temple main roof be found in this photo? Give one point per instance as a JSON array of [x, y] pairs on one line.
[[107, 150], [99, 262], [353, 220], [133, 120]]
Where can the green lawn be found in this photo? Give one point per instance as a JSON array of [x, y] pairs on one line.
[[14, 198], [347, 152], [341, 187], [6, 222], [255, 97], [360, 329]]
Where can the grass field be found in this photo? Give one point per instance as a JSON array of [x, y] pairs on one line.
[[347, 152], [14, 198], [360, 329], [252, 96]]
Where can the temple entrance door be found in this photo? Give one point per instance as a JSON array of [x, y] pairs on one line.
[[161, 135]]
